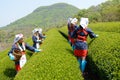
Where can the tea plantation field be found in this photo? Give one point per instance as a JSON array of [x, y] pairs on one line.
[[57, 62], [104, 51]]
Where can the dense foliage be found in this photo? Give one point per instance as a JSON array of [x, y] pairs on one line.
[[56, 62], [104, 52], [106, 26], [107, 11]]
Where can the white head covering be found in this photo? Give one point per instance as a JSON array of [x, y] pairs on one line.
[[40, 30], [84, 22], [69, 20], [35, 30], [18, 37], [74, 21]]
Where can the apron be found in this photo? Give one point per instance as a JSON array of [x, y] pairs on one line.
[[23, 59], [37, 44]]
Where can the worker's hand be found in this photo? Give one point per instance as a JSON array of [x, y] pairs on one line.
[[38, 50], [12, 57], [38, 40], [97, 36], [44, 37]]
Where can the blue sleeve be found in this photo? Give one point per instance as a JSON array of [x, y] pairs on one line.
[[29, 47], [11, 51], [41, 36], [91, 33], [74, 34], [34, 39], [76, 26]]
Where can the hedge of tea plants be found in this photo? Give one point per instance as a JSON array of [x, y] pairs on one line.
[[55, 62], [104, 51]]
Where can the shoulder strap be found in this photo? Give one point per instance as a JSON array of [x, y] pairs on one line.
[[85, 32], [82, 37], [21, 48]]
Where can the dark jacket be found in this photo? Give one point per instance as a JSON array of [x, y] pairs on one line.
[[14, 46], [81, 38], [41, 36], [26, 46], [34, 39]]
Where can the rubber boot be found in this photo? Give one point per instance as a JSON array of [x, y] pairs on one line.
[[82, 66]]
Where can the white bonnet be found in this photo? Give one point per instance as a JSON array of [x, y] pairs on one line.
[[18, 37], [74, 21], [35, 30], [69, 20], [40, 30], [84, 22]]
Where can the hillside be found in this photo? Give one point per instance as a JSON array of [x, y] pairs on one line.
[[46, 17]]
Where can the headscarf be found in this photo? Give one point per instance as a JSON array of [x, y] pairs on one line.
[[84, 22], [18, 37], [74, 21]]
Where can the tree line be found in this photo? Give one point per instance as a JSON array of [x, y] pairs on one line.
[[105, 12]]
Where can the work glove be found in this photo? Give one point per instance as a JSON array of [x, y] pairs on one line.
[[44, 37], [12, 57], [38, 40], [97, 36], [38, 50]]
